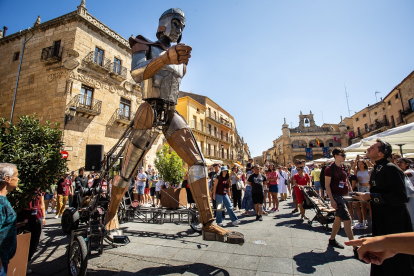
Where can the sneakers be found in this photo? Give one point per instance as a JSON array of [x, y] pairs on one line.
[[236, 222], [260, 218], [53, 211], [360, 225], [56, 217], [220, 224], [336, 244], [257, 217]]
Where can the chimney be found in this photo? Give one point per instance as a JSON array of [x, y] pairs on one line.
[[4, 31]]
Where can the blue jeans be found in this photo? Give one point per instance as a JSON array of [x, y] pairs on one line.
[[3, 270], [225, 200]]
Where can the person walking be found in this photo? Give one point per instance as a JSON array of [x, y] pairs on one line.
[[81, 181], [9, 177], [282, 183], [362, 174], [404, 165], [337, 186], [273, 178], [220, 189], [154, 179], [388, 197], [257, 180], [236, 177], [247, 202], [63, 190], [316, 178], [299, 180], [141, 182], [293, 172]]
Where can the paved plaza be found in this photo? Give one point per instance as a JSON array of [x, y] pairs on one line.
[[280, 245]]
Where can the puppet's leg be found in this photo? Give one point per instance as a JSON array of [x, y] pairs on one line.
[[137, 145], [182, 140]]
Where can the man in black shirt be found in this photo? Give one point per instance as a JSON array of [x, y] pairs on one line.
[[256, 180], [81, 181], [388, 196], [249, 167]]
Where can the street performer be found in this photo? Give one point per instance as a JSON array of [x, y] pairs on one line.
[[159, 67]]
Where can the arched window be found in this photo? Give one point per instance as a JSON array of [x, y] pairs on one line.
[[332, 144], [299, 144]]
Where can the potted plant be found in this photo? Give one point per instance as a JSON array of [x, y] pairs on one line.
[[171, 167], [35, 150]]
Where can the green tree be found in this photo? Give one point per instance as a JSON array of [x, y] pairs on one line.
[[170, 166], [35, 150]]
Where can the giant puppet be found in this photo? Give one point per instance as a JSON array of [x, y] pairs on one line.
[[159, 67]]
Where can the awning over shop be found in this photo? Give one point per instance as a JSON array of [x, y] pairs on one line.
[[213, 161]]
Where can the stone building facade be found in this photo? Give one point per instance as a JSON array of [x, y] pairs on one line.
[[394, 110], [292, 143], [213, 127], [74, 71]]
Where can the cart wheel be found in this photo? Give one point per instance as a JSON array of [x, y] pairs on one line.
[[195, 223], [78, 257], [70, 220]]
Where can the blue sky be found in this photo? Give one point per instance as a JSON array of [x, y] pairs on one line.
[[267, 60]]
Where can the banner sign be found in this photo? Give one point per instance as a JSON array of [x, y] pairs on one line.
[[326, 152], [309, 154]]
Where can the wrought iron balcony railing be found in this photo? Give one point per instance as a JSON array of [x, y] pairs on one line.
[[118, 71], [85, 105], [51, 54], [98, 61], [318, 129], [202, 128], [406, 111]]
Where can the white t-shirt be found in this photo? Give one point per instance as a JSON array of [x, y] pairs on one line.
[[282, 177], [159, 185], [141, 176], [306, 169], [412, 175]]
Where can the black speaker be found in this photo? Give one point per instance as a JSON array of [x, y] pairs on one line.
[[93, 157]]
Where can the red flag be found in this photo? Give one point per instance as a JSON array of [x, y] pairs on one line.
[[317, 142], [337, 139]]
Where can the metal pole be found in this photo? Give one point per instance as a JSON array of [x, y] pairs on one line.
[[347, 103], [400, 145], [18, 75]]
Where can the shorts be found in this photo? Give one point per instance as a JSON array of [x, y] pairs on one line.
[[274, 188], [48, 196], [342, 210], [257, 198], [140, 190], [158, 194], [363, 189], [147, 191], [152, 191], [317, 185]]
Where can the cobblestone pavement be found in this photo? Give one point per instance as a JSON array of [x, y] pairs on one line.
[[287, 246]]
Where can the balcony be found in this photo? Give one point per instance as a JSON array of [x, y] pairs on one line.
[[307, 130], [220, 120], [51, 55], [123, 117], [117, 71], [202, 128], [98, 62], [406, 111], [85, 106], [378, 126]]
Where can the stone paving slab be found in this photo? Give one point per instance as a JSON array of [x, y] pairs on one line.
[[287, 246]]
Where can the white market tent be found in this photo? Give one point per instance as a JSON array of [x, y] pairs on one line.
[[400, 138]]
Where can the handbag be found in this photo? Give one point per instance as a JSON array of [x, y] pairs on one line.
[[240, 185]]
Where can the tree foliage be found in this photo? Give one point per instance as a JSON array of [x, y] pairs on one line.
[[170, 166], [35, 150]]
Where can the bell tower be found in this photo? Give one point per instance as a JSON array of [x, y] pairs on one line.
[[306, 120]]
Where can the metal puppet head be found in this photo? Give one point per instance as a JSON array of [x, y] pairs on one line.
[[171, 24]]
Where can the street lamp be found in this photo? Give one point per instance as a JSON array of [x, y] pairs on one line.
[[72, 113]]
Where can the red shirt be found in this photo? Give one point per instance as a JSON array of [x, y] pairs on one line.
[[273, 175], [301, 181], [339, 184], [33, 212], [222, 186], [63, 187]]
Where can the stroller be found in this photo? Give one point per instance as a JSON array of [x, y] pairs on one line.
[[325, 214]]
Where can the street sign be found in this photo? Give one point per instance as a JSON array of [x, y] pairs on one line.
[[65, 154]]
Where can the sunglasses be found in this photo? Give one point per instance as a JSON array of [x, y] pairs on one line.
[[343, 155], [300, 168]]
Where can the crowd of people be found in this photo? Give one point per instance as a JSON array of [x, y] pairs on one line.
[[381, 186]]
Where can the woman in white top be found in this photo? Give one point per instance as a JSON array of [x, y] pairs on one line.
[[363, 176], [404, 165]]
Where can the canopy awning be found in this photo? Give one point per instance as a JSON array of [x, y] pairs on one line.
[[213, 161], [402, 136]]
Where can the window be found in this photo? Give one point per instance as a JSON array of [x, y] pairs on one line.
[[215, 132], [209, 111], [375, 113], [56, 48], [99, 53], [359, 131], [214, 150], [125, 108], [215, 115], [347, 127], [195, 121], [397, 96], [209, 129], [364, 115], [202, 124], [16, 56], [366, 127], [117, 66], [86, 96], [357, 119], [389, 102], [411, 103]]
